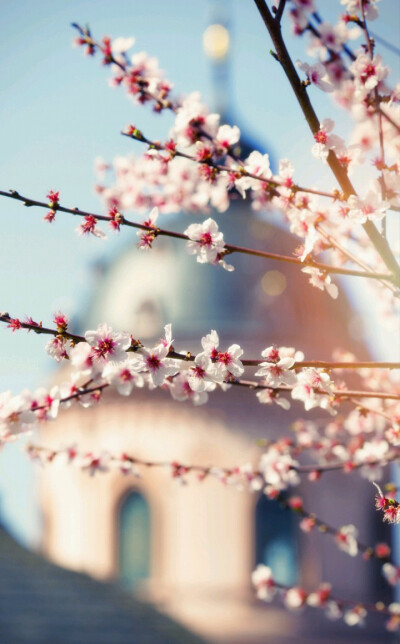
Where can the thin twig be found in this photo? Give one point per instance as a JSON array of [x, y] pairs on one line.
[[230, 248], [188, 356]]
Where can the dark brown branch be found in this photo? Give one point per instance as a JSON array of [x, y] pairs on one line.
[[340, 173]]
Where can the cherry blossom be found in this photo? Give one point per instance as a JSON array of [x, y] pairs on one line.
[[322, 281], [191, 116], [370, 9], [146, 237], [276, 370], [226, 137], [370, 453], [107, 345], [83, 359], [181, 390], [295, 598], [256, 164], [15, 415], [205, 241], [221, 364], [123, 375], [269, 396], [394, 621], [372, 207], [89, 227], [355, 616], [320, 597], [264, 583], [199, 374], [308, 381], [56, 348], [368, 73], [94, 462], [156, 363], [346, 539], [326, 141], [279, 469], [317, 75], [391, 573]]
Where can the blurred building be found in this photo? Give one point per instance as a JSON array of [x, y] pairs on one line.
[[191, 549]]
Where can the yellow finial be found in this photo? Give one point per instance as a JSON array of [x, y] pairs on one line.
[[216, 41]]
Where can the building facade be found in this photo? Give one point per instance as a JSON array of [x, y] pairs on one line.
[[191, 548]]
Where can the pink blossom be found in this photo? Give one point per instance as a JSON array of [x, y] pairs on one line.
[[257, 164], [355, 616], [89, 227], [354, 6], [295, 598], [369, 453], [269, 396], [346, 539], [205, 241], [333, 37], [321, 280], [264, 583], [56, 348], [61, 321], [368, 73], [320, 597], [279, 470], [307, 524], [393, 623], [326, 141], [391, 573], [123, 375], [156, 363], [15, 415], [94, 462], [277, 371], [107, 345], [226, 137], [14, 324], [45, 404], [317, 75], [199, 376], [83, 359], [222, 364], [181, 390], [372, 207], [116, 218]]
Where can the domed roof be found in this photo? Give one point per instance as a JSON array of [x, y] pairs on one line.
[[262, 302], [142, 291]]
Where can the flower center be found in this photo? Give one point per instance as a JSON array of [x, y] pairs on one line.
[[321, 137], [225, 358], [206, 239], [105, 347], [153, 363]]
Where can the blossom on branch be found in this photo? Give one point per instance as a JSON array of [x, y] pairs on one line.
[[107, 345], [206, 242]]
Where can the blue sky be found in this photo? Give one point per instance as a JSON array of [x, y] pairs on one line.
[[57, 114]]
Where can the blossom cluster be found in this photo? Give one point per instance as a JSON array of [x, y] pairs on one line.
[[365, 439], [296, 599], [243, 477], [197, 135]]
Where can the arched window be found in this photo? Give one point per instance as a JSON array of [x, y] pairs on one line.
[[276, 544], [134, 540]]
